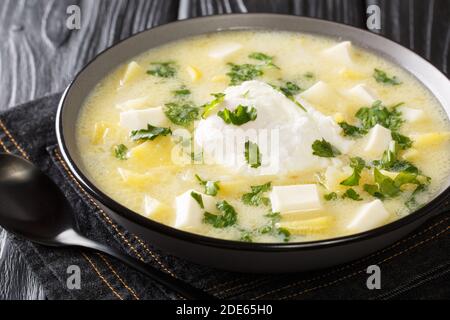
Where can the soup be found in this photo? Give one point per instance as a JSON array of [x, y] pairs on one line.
[[265, 137]]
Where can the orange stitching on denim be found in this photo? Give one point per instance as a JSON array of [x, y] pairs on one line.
[[4, 146], [101, 276], [354, 263], [118, 277], [358, 272], [14, 141]]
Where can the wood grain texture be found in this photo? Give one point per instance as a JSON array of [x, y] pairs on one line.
[[39, 55]]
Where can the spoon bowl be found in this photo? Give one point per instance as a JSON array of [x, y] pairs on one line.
[[34, 208]]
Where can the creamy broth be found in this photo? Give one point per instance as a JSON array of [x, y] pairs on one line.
[[315, 76]]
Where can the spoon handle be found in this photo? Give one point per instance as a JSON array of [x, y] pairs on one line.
[[183, 289]]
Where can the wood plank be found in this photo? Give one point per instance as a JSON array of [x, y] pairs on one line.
[[39, 55]]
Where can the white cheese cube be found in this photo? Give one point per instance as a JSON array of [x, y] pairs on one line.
[[188, 211], [411, 115], [342, 53], [378, 140], [369, 216], [304, 197], [224, 50], [320, 93], [139, 119], [363, 94]]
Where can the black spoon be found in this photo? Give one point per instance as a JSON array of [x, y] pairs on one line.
[[33, 207]]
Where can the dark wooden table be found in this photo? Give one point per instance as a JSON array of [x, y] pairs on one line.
[[39, 54]]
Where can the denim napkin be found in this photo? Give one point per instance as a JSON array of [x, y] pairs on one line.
[[418, 266]]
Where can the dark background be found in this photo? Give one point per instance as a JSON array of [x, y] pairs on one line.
[[39, 55]]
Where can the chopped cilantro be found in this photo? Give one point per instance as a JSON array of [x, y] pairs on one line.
[[182, 114], [382, 77], [330, 196], [358, 165], [352, 131], [207, 108], [379, 114], [290, 89], [151, 133], [403, 141], [240, 115], [324, 149], [242, 72], [256, 196], [211, 187], [351, 194], [163, 69], [197, 197], [182, 92], [268, 60], [121, 152], [228, 216]]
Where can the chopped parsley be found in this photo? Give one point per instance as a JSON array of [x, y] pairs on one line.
[[252, 154], [290, 89], [382, 77], [379, 114], [324, 149], [272, 228], [207, 108], [352, 131], [151, 133], [211, 187], [182, 92], [358, 164], [228, 216], [389, 161], [242, 72], [163, 69], [182, 114], [240, 115], [351, 194], [121, 152], [268, 60], [330, 196], [197, 197], [256, 196], [402, 141]]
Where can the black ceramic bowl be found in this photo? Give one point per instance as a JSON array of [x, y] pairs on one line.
[[233, 255]]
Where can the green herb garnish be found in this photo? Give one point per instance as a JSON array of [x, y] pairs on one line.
[[243, 72], [382, 77], [290, 89], [351, 194], [163, 69], [324, 149], [252, 154], [403, 141], [211, 187], [268, 60], [330, 196], [379, 114], [352, 131], [151, 133], [240, 115], [182, 114], [358, 164], [197, 197], [207, 108], [228, 216], [256, 196], [182, 92], [121, 152]]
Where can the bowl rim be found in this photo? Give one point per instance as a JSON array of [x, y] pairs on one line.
[[157, 227]]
